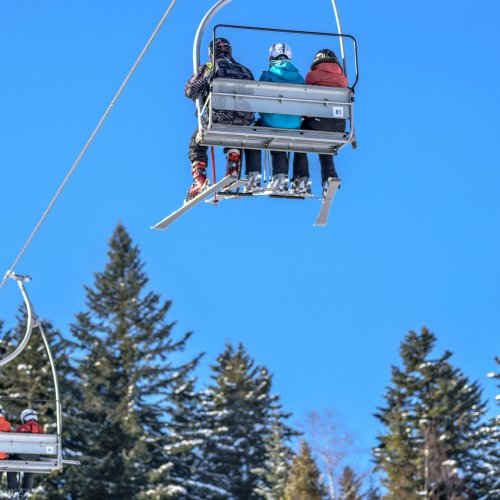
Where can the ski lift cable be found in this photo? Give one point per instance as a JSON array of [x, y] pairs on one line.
[[10, 272]]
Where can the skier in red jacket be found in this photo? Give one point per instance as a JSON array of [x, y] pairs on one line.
[[327, 71], [29, 420], [6, 427]]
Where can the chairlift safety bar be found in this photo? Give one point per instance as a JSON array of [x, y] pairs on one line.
[[301, 32]]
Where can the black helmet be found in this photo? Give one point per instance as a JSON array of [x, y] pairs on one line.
[[324, 55], [222, 46]]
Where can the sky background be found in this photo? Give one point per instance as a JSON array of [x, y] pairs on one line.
[[413, 237]]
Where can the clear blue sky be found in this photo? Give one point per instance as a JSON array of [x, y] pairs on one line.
[[413, 237]]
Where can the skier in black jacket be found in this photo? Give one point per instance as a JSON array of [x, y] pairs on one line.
[[221, 65]]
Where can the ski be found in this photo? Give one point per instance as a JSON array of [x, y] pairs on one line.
[[322, 218], [223, 183]]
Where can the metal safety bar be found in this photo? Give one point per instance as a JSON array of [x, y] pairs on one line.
[[341, 36]]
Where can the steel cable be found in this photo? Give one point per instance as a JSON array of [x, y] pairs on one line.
[[88, 143]]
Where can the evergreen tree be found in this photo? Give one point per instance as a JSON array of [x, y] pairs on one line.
[[432, 445], [304, 478], [350, 485], [125, 349], [373, 491], [187, 433], [238, 409], [273, 473], [489, 482]]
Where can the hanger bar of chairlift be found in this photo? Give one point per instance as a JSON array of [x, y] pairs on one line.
[[54, 378], [201, 29], [31, 322], [339, 29]]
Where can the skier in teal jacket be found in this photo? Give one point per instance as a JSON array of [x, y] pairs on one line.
[[280, 70]]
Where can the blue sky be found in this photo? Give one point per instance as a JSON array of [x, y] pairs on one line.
[[413, 237]]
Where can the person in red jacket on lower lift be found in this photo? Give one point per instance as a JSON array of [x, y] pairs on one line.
[[30, 424], [6, 427]]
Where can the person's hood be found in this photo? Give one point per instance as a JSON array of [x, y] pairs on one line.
[[285, 69]]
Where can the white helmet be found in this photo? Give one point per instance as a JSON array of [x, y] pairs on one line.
[[28, 415], [280, 51]]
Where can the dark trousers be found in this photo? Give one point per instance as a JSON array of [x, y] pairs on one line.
[[28, 477], [279, 162], [12, 480], [253, 162], [300, 162], [28, 480]]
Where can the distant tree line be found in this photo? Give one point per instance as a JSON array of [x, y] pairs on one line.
[[136, 419]]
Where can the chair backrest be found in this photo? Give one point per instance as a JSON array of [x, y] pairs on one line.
[[282, 98], [31, 444]]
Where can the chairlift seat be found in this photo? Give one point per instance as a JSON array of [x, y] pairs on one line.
[[272, 97]]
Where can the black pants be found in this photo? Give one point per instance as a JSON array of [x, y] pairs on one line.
[[279, 162], [11, 480], [28, 477], [197, 152], [300, 162]]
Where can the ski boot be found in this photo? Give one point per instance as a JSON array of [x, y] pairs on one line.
[[278, 185], [253, 184], [301, 186], [201, 182], [233, 162]]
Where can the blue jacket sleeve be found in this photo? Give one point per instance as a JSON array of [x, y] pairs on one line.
[[265, 77]]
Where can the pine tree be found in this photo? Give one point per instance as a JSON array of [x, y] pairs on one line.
[[304, 478], [125, 350], [432, 445], [273, 473], [238, 409], [187, 433], [373, 491], [350, 485], [489, 481]]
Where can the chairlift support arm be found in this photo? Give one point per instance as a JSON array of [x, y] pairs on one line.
[[222, 3]]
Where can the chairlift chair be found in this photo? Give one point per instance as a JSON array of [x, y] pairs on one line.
[[49, 446], [271, 97]]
